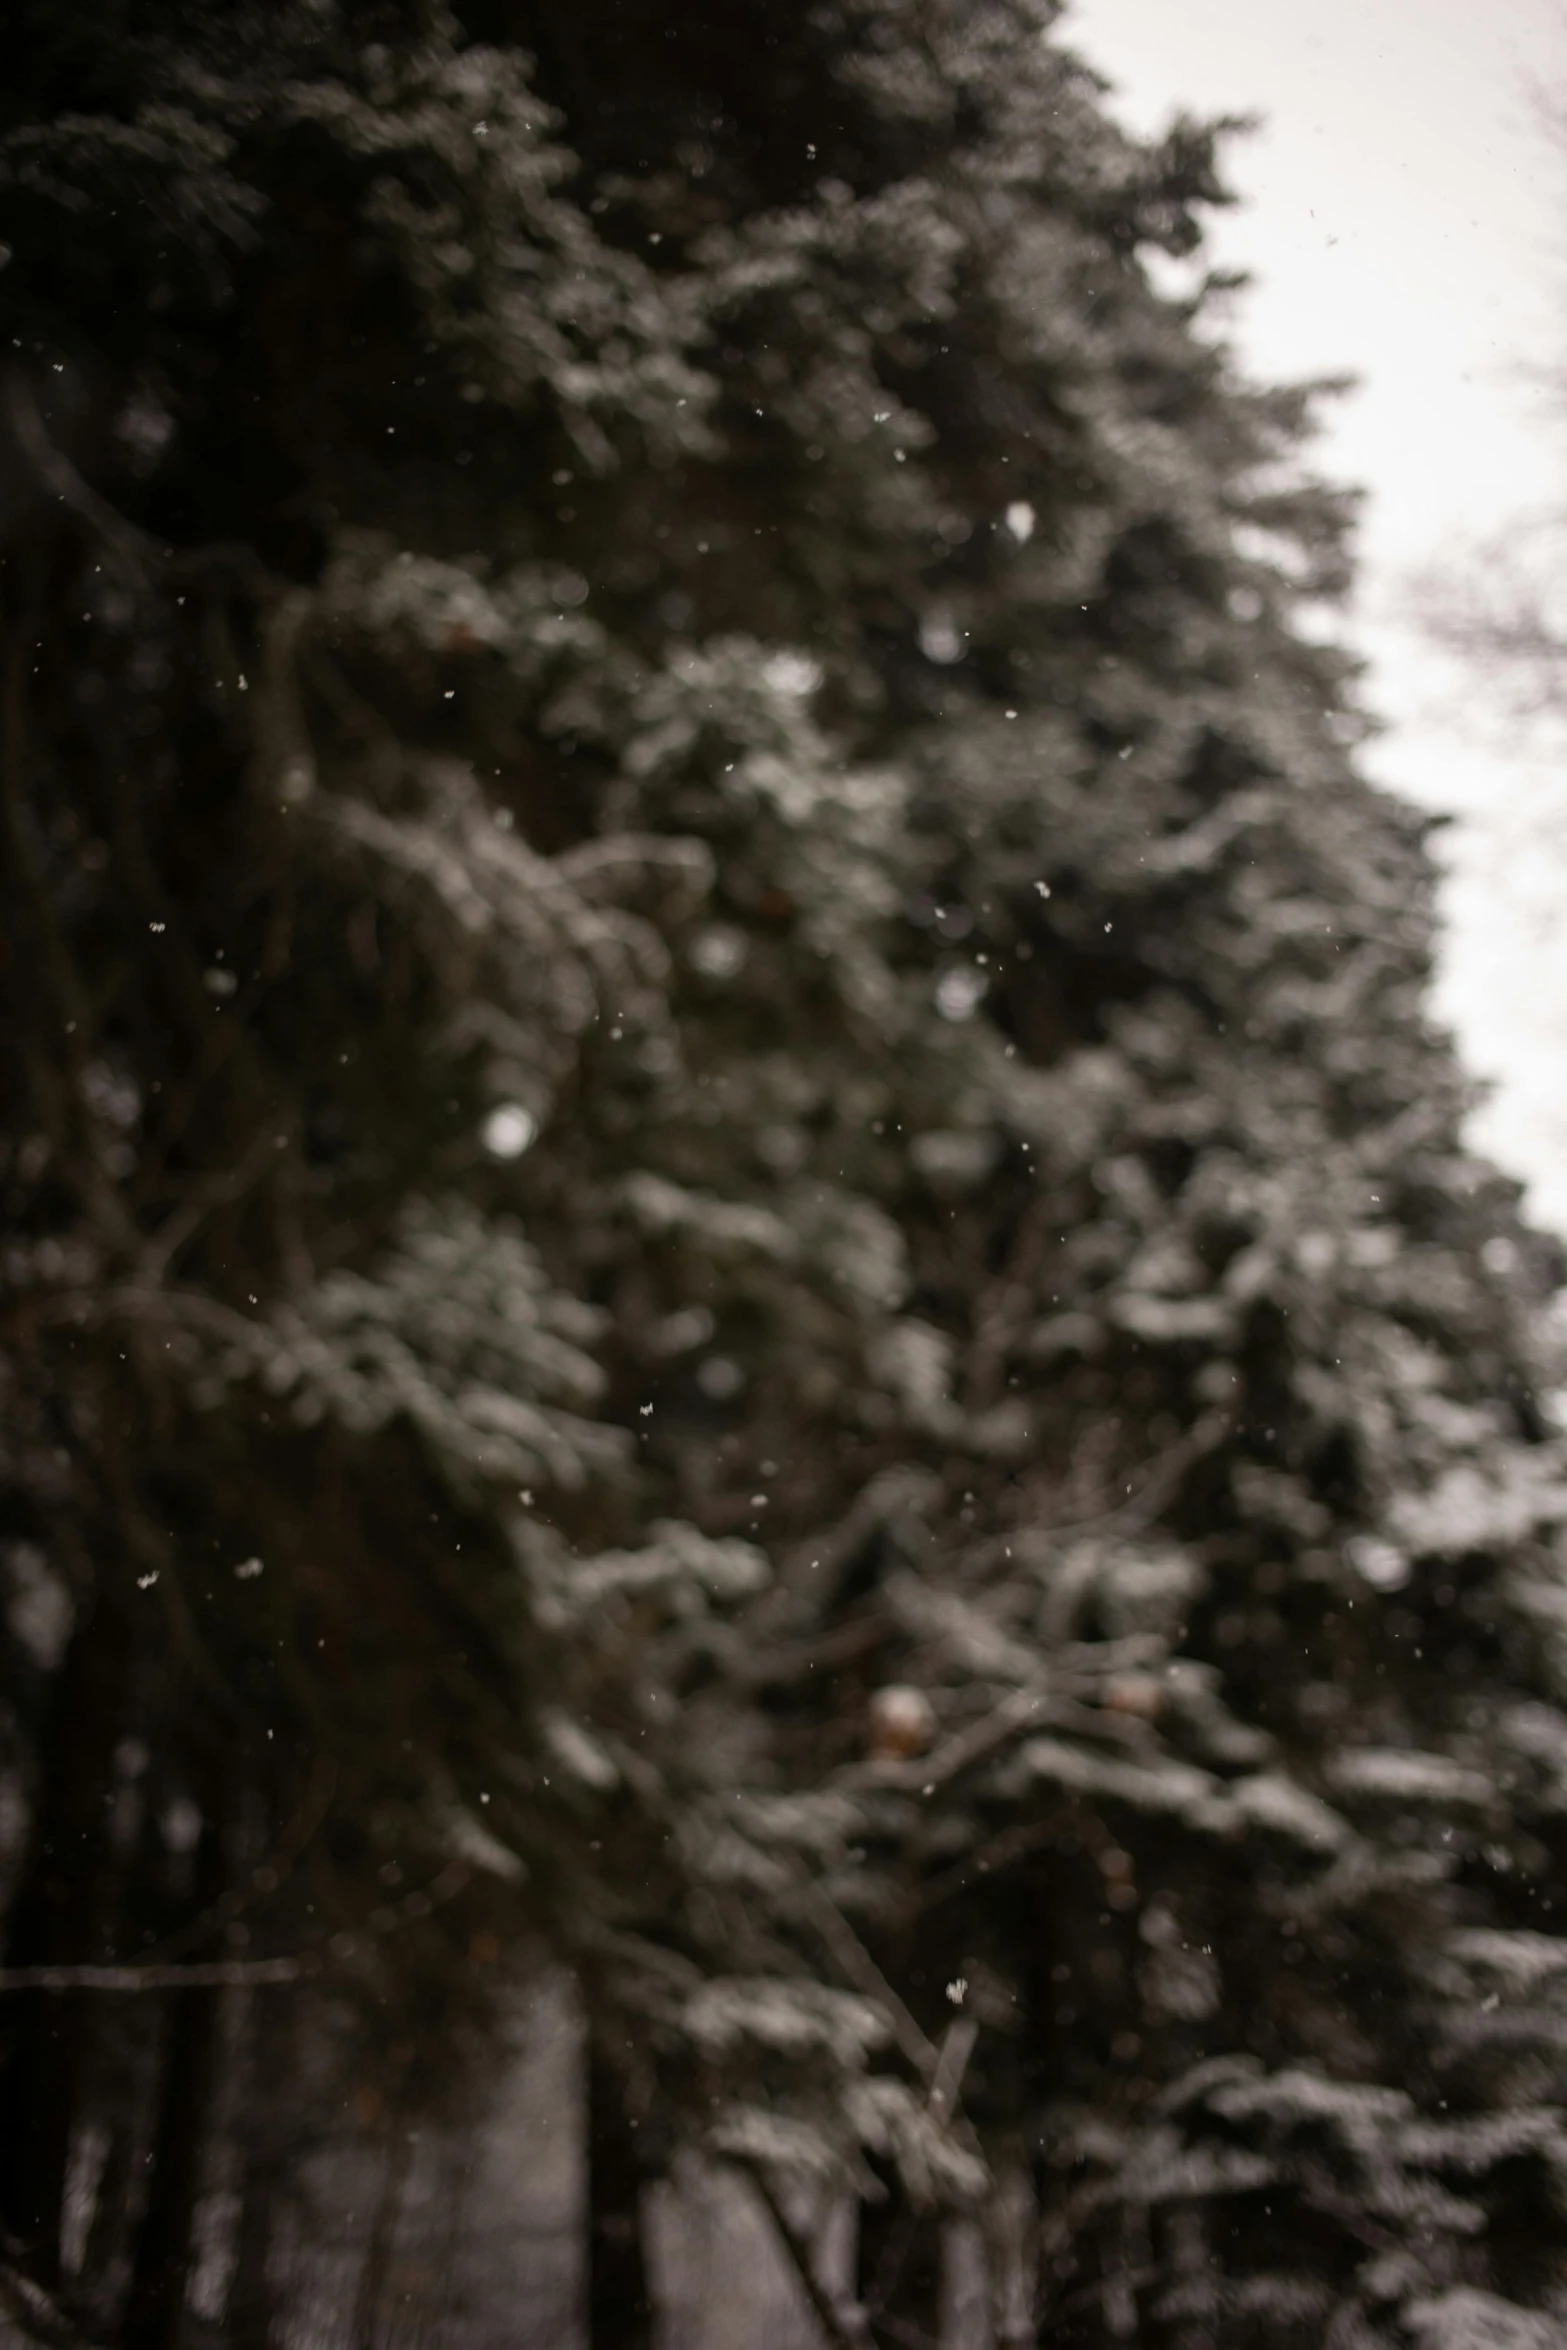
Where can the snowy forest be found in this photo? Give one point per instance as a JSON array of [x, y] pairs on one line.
[[781, 1523]]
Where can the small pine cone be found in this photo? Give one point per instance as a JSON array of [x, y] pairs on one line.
[[902, 1722], [1135, 1693]]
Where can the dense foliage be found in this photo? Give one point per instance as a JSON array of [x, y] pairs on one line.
[[736, 1252]]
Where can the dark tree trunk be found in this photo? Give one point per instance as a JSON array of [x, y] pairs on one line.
[[371, 2296], [56, 1920], [620, 2308], [899, 2269], [252, 2306], [164, 2242], [251, 2319]]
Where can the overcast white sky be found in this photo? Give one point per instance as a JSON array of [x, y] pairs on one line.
[[1405, 220]]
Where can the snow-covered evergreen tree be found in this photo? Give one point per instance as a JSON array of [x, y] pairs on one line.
[[737, 1251]]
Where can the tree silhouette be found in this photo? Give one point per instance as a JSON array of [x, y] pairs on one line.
[[739, 1253]]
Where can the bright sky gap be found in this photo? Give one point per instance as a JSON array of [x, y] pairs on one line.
[[1400, 210]]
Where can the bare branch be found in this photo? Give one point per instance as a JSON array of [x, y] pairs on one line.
[[35, 2313], [198, 1976], [843, 2322], [54, 470]]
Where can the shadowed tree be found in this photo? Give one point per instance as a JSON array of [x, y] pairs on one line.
[[739, 1252]]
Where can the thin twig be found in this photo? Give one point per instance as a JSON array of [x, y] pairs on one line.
[[913, 2044], [862, 1970], [1024, 1709], [198, 1975], [35, 2312], [957, 2046], [296, 1836], [217, 1191], [214, 1974], [1161, 1481], [843, 2325], [56, 472], [996, 1853]]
